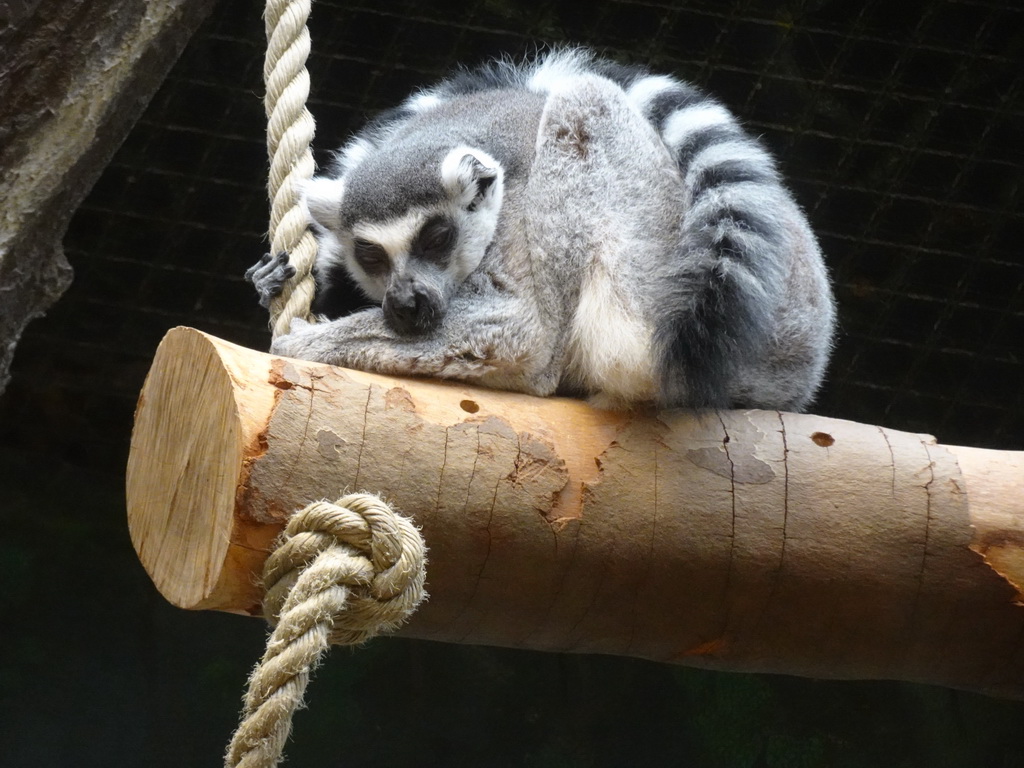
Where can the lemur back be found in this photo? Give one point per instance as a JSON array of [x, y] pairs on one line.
[[646, 241]]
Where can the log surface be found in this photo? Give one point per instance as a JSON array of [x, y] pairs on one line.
[[755, 541]]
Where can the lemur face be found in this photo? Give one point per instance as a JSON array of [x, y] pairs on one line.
[[411, 261]]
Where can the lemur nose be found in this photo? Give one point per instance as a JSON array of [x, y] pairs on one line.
[[409, 309]]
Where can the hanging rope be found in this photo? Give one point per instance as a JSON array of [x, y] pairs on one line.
[[341, 574], [290, 129]]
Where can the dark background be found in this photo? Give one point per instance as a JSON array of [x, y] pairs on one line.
[[901, 128]]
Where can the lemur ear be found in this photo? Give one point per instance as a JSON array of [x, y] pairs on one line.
[[472, 177], [322, 198]]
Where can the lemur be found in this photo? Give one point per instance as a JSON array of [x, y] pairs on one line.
[[567, 225]]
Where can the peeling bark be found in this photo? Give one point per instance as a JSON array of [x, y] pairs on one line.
[[739, 540]]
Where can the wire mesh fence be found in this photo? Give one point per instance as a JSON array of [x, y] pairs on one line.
[[899, 125]]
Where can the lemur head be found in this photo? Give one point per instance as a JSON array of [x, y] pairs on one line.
[[408, 230]]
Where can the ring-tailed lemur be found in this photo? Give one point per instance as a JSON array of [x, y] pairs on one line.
[[567, 225]]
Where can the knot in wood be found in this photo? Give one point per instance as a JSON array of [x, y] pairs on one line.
[[355, 564]]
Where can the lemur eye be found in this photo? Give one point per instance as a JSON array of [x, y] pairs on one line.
[[371, 257], [436, 239]]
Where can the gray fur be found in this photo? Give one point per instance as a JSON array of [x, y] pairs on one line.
[[617, 236]]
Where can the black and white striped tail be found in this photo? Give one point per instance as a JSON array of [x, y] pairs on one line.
[[716, 305]]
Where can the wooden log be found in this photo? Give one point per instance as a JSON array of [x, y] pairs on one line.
[[754, 541]]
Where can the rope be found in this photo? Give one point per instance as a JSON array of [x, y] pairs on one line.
[[290, 129], [341, 574]]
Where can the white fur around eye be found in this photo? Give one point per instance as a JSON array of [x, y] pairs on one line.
[[394, 235]]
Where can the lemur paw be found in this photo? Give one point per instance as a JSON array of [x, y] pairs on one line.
[[268, 276], [302, 341]]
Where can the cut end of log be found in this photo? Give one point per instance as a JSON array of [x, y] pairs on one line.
[[189, 449]]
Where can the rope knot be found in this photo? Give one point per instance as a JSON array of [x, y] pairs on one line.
[[356, 551], [340, 574]]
